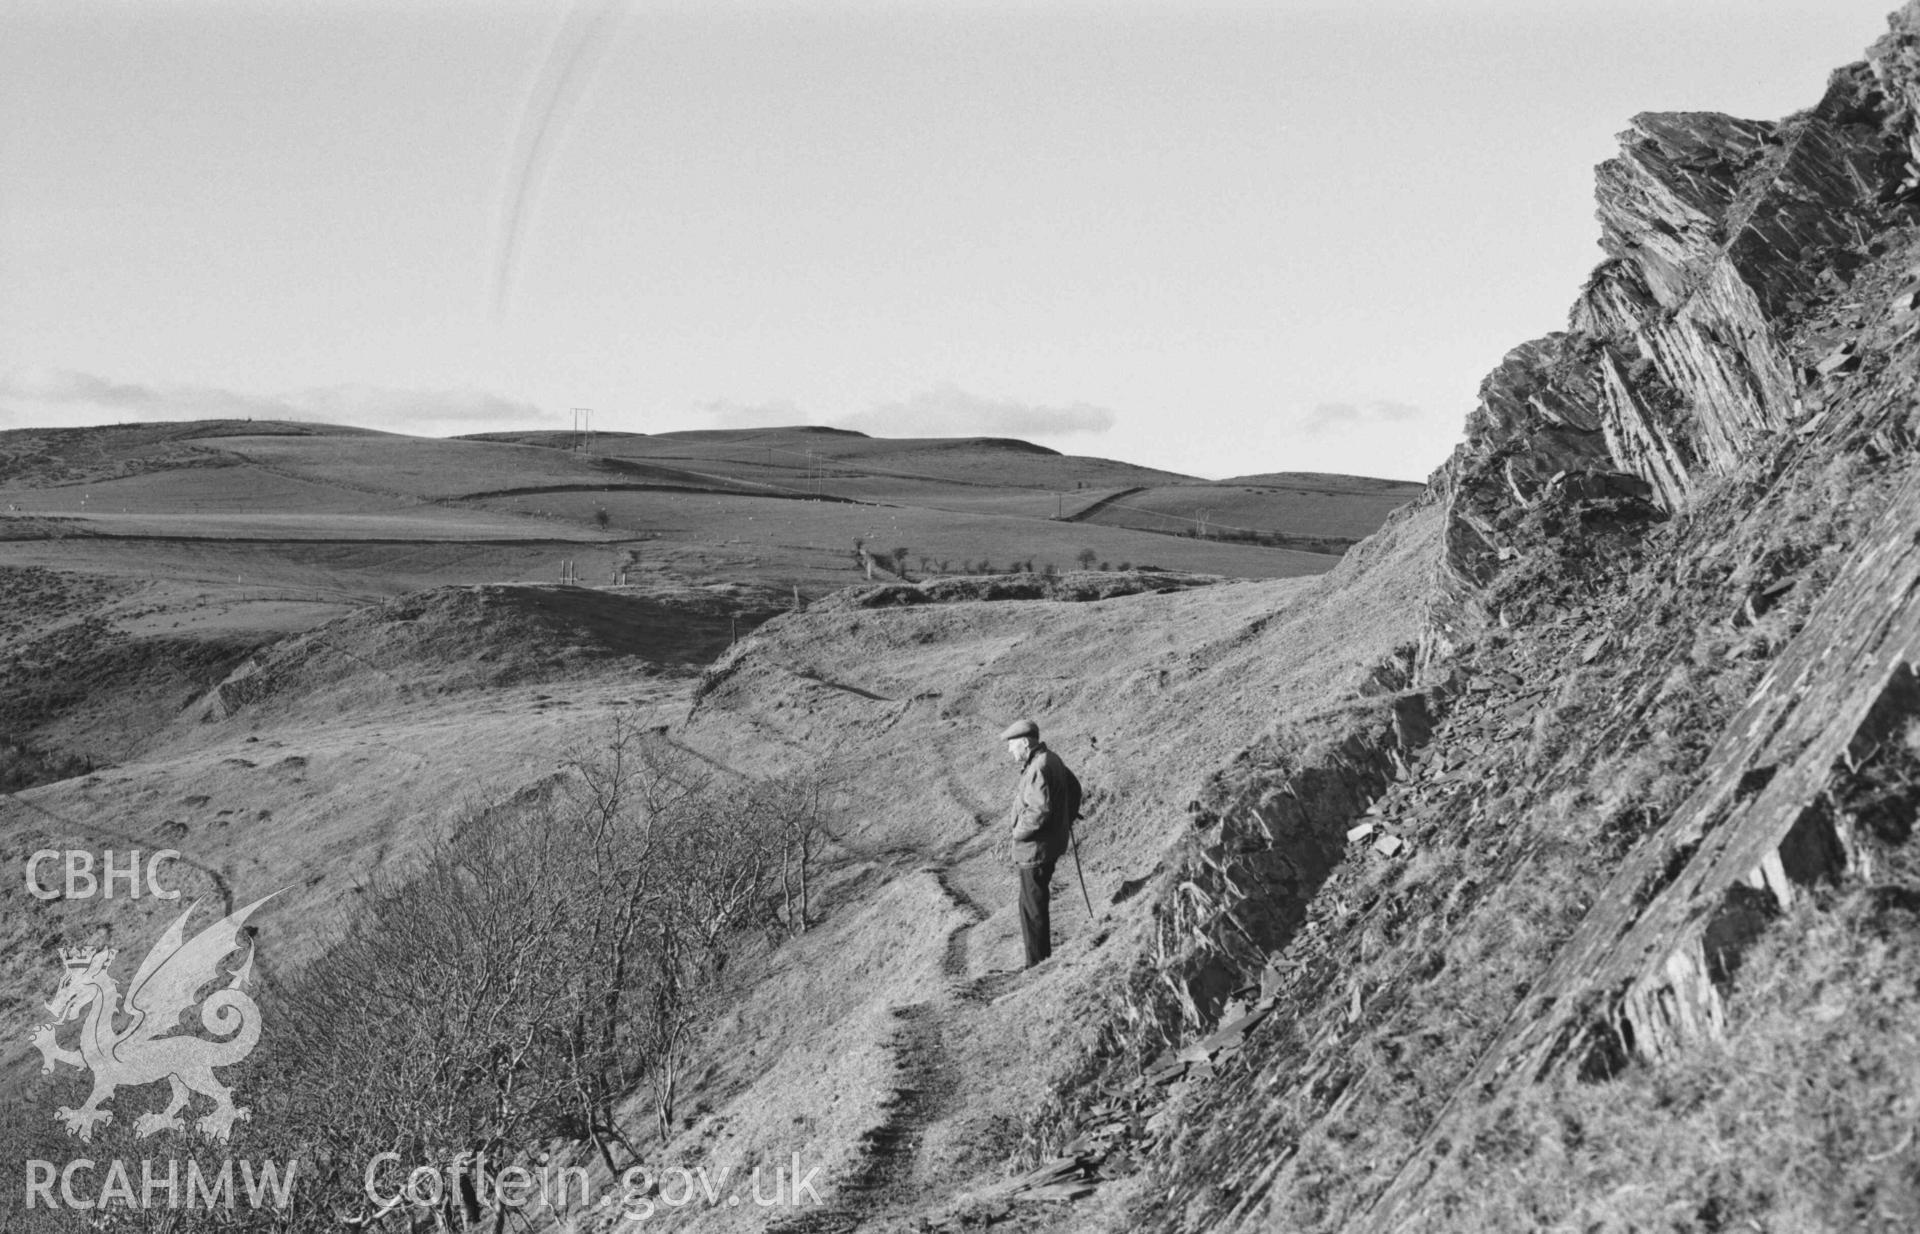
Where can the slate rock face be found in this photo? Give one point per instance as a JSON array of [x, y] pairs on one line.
[[1690, 521], [1679, 354], [1740, 320]]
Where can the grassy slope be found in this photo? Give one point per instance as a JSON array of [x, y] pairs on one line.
[[356, 745], [1143, 695], [354, 761], [366, 749]]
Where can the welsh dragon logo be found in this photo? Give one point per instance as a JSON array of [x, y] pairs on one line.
[[145, 1048]]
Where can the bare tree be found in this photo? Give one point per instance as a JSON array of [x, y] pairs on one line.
[[792, 810]]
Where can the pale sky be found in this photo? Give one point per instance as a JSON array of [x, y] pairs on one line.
[[1217, 238]]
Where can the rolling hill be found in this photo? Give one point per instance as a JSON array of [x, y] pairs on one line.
[[214, 537]]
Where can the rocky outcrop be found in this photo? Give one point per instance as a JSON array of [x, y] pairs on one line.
[[1650, 968], [1674, 636], [1707, 342], [1722, 231], [1682, 353]]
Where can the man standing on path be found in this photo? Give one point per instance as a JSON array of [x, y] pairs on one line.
[[1041, 818]]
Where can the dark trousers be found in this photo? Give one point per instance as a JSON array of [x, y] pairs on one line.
[[1036, 920]]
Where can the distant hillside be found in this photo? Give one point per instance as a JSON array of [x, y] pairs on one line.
[[1300, 510], [567, 439], [797, 430], [1303, 511], [831, 459], [34, 457], [190, 544], [1334, 481]]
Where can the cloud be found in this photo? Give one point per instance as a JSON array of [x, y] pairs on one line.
[[1327, 417], [63, 388], [948, 411], [64, 397]]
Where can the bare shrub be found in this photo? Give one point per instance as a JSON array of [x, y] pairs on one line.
[[550, 958]]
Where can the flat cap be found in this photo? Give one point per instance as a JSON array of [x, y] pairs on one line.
[[1021, 728]]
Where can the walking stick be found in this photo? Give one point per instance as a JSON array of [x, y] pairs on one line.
[[1074, 837]]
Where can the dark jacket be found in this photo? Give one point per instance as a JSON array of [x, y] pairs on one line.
[[1039, 814]]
